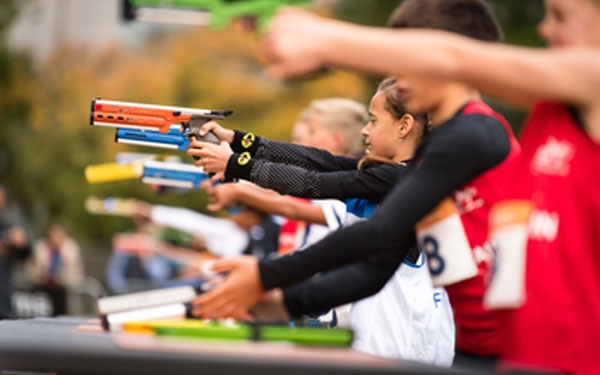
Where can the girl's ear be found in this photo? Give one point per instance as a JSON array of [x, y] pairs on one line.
[[406, 124]]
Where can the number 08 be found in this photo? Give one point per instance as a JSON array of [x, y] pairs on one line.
[[434, 260]]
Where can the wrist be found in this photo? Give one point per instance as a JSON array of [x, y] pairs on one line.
[[243, 142], [228, 135], [239, 166], [327, 42]]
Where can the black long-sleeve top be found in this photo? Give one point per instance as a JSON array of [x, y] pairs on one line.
[[452, 155], [309, 172], [344, 284]]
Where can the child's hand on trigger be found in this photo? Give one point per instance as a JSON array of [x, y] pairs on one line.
[[221, 133]]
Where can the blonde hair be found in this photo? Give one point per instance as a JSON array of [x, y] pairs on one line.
[[344, 115]]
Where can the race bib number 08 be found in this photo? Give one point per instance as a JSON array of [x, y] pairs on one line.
[[508, 235], [442, 236]]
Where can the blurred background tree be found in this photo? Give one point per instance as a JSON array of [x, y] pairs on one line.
[[45, 137], [17, 81]]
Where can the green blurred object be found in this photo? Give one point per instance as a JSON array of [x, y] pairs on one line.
[[217, 13], [176, 237], [201, 329], [313, 336]]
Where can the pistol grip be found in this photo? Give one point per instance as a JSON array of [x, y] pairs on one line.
[[208, 137]]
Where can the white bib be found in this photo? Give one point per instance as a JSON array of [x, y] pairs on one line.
[[442, 236], [508, 235]]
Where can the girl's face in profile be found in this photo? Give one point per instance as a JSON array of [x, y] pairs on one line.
[[382, 130]]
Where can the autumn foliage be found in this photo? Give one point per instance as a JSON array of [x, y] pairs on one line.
[[48, 142]]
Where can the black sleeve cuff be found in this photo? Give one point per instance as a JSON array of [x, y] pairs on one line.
[[239, 165], [292, 297], [264, 270], [243, 142]]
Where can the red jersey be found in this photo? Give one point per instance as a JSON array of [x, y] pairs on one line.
[[558, 325], [477, 327]]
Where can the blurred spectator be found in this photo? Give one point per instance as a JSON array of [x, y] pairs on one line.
[[14, 245], [55, 266], [56, 260], [261, 227], [154, 257], [133, 265]]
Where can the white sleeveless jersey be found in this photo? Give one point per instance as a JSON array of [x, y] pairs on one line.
[[408, 319]]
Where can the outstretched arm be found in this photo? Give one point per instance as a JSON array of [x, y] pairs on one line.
[[296, 170], [265, 200], [299, 42], [246, 146], [341, 285], [312, 158], [222, 236], [370, 183]]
